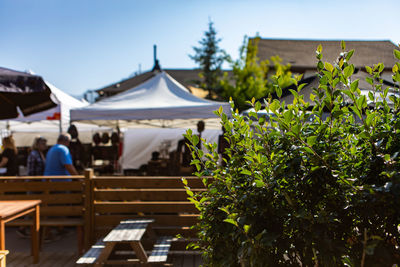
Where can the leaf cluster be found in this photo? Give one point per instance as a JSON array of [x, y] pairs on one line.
[[314, 184], [252, 77]]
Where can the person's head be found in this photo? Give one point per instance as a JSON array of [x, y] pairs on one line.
[[73, 131], [200, 126], [40, 144], [155, 155], [8, 142], [64, 139]]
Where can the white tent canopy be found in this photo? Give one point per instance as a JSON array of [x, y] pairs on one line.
[[159, 98]]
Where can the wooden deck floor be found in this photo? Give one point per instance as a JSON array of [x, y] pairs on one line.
[[51, 259], [64, 253]]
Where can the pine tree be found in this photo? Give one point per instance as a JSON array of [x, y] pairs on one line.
[[210, 57]]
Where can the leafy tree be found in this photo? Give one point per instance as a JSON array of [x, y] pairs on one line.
[[210, 57], [252, 77], [314, 185]]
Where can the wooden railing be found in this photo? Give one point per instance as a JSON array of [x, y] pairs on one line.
[[97, 204], [64, 201], [163, 199]]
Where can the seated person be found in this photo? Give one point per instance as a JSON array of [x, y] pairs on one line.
[[184, 153], [37, 159], [9, 157], [76, 148], [200, 128]]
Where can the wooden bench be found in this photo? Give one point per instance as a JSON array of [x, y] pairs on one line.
[[130, 232], [163, 199], [91, 256], [64, 201], [160, 250]]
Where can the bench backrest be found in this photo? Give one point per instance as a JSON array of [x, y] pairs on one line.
[[163, 199], [64, 196]]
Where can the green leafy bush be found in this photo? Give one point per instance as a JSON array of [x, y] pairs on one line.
[[252, 77], [300, 189]]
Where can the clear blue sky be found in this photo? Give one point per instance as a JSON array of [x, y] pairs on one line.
[[87, 44]]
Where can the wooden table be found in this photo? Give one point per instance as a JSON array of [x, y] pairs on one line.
[[10, 210], [131, 232]]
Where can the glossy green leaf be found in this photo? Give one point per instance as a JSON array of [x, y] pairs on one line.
[[348, 71], [278, 91], [349, 54], [308, 150], [245, 172], [395, 68], [343, 45], [301, 87], [311, 140], [257, 106], [354, 86], [371, 96], [231, 221], [328, 66], [184, 181], [195, 140], [319, 48], [369, 80], [259, 183], [368, 69], [396, 53]]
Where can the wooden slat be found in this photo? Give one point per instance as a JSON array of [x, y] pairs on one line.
[[160, 250], [154, 194], [148, 244], [173, 231], [163, 231], [146, 182], [92, 254], [22, 186], [62, 211], [166, 220], [70, 198], [49, 222], [150, 206], [128, 231], [40, 178], [119, 262]]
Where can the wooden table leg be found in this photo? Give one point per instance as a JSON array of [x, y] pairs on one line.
[[140, 252], [35, 235], [2, 236], [105, 254]]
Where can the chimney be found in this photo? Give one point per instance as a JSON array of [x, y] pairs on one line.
[[156, 64]]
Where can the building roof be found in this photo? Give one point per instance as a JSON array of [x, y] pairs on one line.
[[301, 53], [313, 82]]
